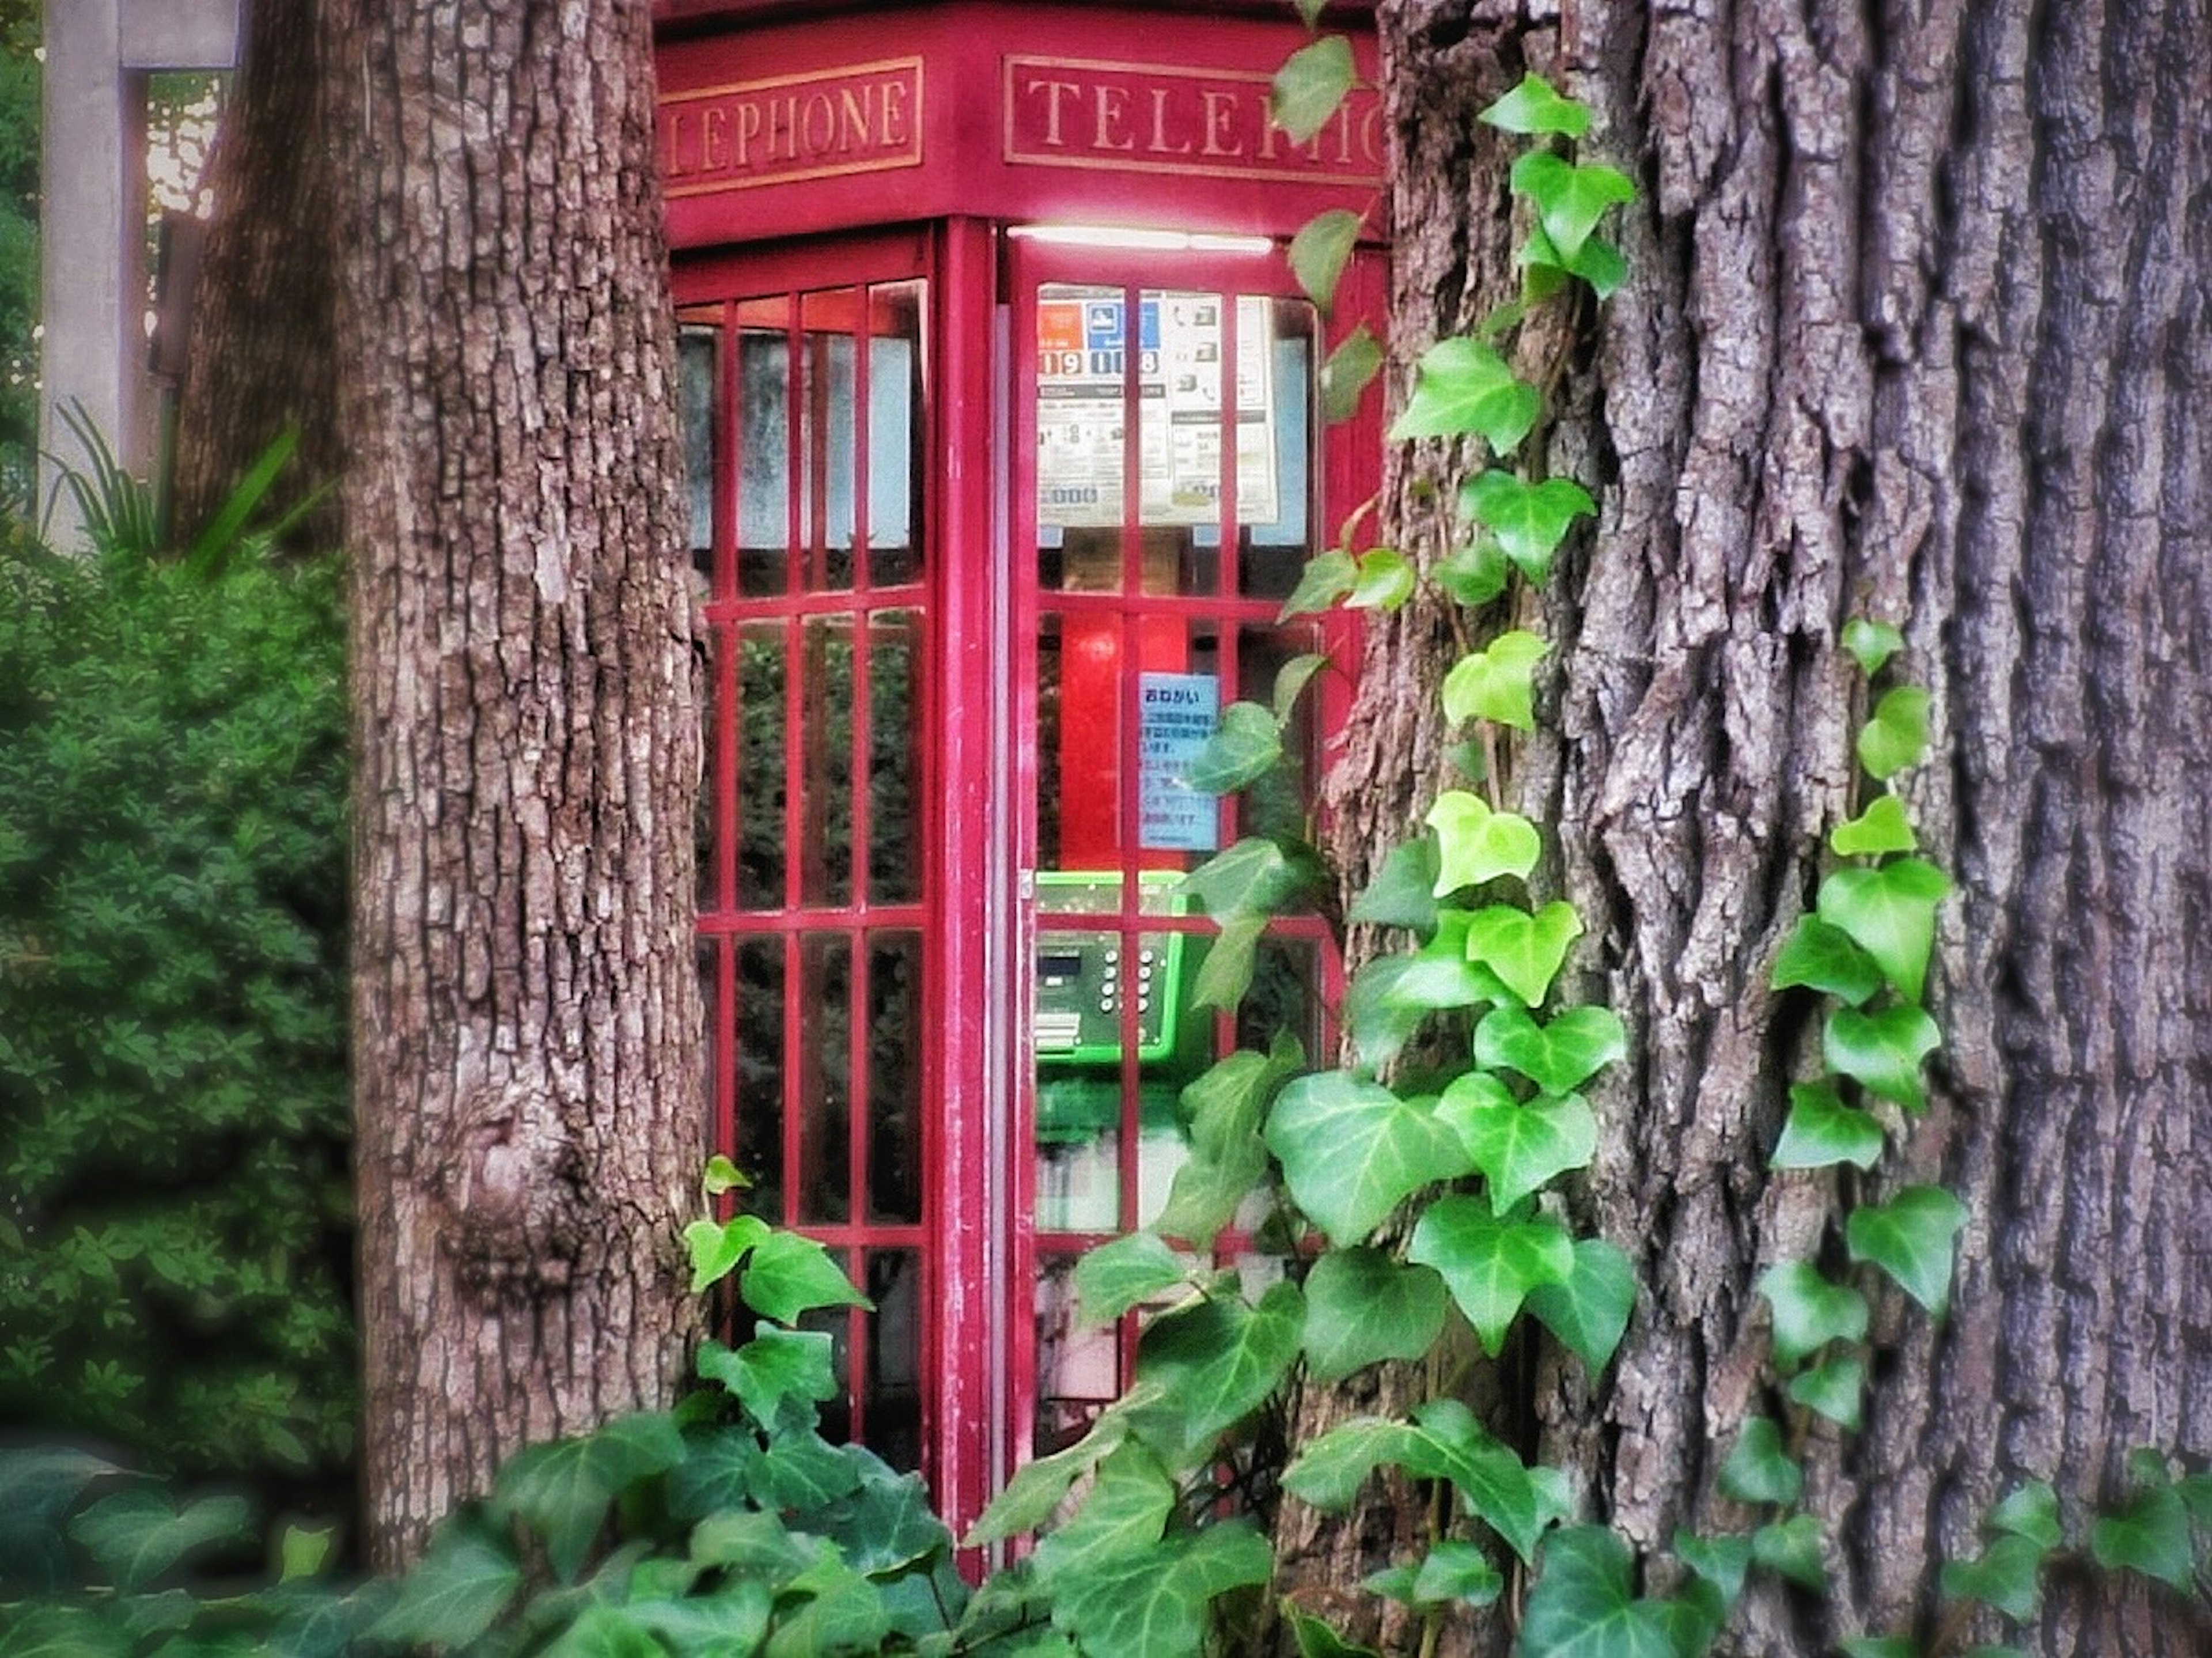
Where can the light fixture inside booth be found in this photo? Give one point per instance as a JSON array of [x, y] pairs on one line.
[[1162, 242]]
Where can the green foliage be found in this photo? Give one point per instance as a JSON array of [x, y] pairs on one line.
[[1310, 87], [1461, 386], [175, 1261]]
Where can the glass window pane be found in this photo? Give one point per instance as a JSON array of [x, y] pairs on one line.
[[825, 761], [761, 832], [895, 463], [699, 393], [758, 1067], [893, 1410], [829, 422], [894, 828], [1275, 539], [895, 1073], [1281, 802], [764, 434], [825, 1148]]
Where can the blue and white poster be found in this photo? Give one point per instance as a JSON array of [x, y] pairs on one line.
[[1178, 713]]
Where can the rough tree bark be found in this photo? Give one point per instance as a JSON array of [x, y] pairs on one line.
[[527, 1075], [264, 327], [1921, 328]]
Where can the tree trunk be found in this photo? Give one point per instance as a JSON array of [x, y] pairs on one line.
[[1920, 328], [525, 996], [264, 329]]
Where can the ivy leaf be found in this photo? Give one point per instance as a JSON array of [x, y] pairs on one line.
[[1215, 1362], [1310, 85], [1253, 876], [1225, 975], [1316, 1639], [1155, 1602], [774, 1365], [1363, 1306], [1347, 372], [1329, 1471], [885, 1525], [1326, 578], [1038, 1488], [1497, 683], [806, 1471], [1476, 574], [1115, 1276], [1721, 1561], [1391, 994], [716, 1247], [1245, 747], [1877, 1646], [789, 1276], [1822, 957], [562, 1490], [1809, 1312], [1292, 678], [1872, 643], [2151, 1535], [1890, 913], [1445, 1442], [1792, 1547], [1583, 1605], [1518, 1147], [1352, 1150], [1882, 1051], [1319, 253], [1460, 386], [722, 1175], [836, 1610], [1530, 520], [139, 1532], [1881, 827], [1897, 735], [1558, 1057], [1475, 844], [2031, 1511], [1385, 581], [451, 1598], [1597, 262], [1822, 1130], [1910, 1238], [1533, 106], [1588, 1310], [1403, 891], [1525, 951], [1227, 1159], [1125, 1510], [1490, 1265], [2007, 1575], [1455, 1570], [1833, 1390], [1758, 1469], [1571, 198]]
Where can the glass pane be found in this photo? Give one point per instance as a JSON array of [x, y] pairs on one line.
[[828, 423], [825, 1149], [698, 362], [895, 466], [761, 832], [1079, 1149], [1081, 338], [1286, 996], [1078, 1366], [1279, 802], [764, 435], [836, 1322], [1079, 702], [826, 760], [895, 1070], [894, 1396], [711, 809], [758, 1064], [895, 831], [1179, 441], [1274, 546]]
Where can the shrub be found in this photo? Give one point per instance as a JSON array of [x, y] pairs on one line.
[[174, 1205]]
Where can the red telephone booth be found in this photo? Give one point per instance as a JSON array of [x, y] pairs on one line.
[[1006, 452]]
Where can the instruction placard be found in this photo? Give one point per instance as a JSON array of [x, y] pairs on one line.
[[1178, 713], [1081, 412]]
